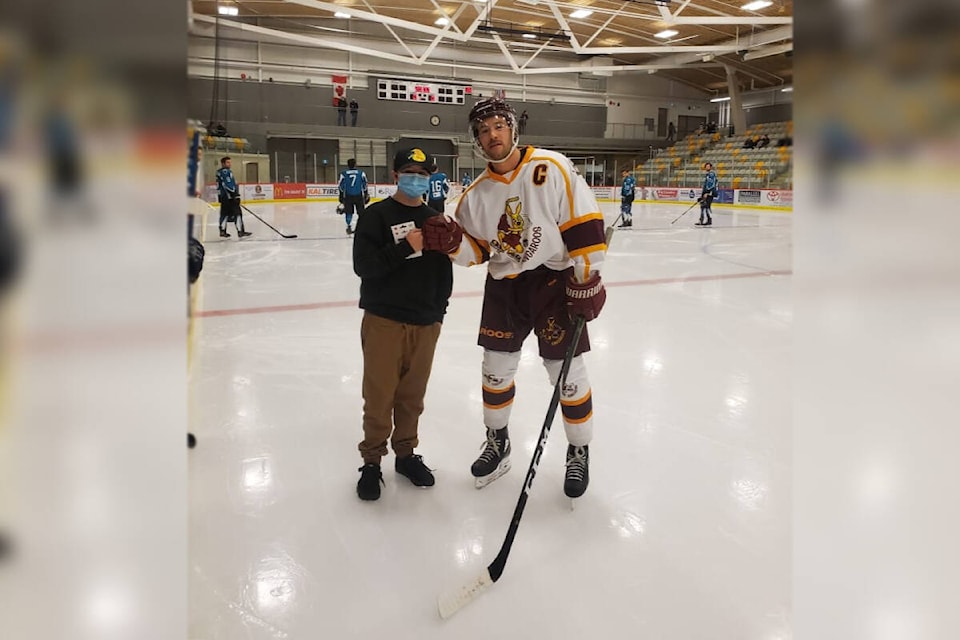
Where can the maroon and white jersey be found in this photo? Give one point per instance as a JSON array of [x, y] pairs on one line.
[[541, 213]]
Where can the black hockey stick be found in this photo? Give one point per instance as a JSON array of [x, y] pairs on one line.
[[282, 234], [452, 601], [687, 211]]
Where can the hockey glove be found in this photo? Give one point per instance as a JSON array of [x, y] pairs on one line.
[[585, 298], [441, 234], [340, 209]]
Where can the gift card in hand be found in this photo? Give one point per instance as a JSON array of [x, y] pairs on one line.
[[400, 232]]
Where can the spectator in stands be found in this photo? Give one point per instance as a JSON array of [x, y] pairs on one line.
[[764, 141], [354, 108], [750, 143], [341, 103], [671, 132], [785, 141], [712, 127], [523, 122]]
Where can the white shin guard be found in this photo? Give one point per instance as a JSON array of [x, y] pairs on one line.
[[499, 370], [576, 403]]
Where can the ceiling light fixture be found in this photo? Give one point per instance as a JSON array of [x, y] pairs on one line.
[[581, 13], [756, 5], [529, 36], [719, 99], [442, 21], [341, 14], [666, 33], [787, 89], [228, 11]]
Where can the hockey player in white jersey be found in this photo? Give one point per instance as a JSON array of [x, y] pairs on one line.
[[537, 224]]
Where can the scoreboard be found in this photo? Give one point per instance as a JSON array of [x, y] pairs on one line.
[[421, 91]]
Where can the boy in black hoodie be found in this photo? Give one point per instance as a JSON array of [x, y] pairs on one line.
[[404, 293]]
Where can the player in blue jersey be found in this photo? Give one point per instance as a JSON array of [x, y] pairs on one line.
[[627, 193], [353, 192], [437, 191], [228, 192], [707, 195], [466, 179]]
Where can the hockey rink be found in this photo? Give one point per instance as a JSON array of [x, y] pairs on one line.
[[683, 534]]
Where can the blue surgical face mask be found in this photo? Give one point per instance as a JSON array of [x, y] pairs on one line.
[[413, 184]]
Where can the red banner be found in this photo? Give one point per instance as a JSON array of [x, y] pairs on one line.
[[289, 190], [339, 88]]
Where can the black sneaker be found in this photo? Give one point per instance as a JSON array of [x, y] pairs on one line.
[[368, 488], [578, 471], [224, 234], [412, 466], [244, 234]]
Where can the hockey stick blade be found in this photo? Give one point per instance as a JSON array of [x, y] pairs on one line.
[[282, 234], [608, 236], [452, 601]]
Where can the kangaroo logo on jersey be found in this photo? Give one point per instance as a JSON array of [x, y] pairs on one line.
[[512, 228], [553, 334]]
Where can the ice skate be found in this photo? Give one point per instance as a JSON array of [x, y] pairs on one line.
[[578, 471], [494, 460]]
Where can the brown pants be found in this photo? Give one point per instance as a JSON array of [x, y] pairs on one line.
[[397, 359]]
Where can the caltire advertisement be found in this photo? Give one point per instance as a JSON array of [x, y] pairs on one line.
[[318, 191]]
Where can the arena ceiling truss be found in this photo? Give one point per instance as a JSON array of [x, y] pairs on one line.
[[688, 41]]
